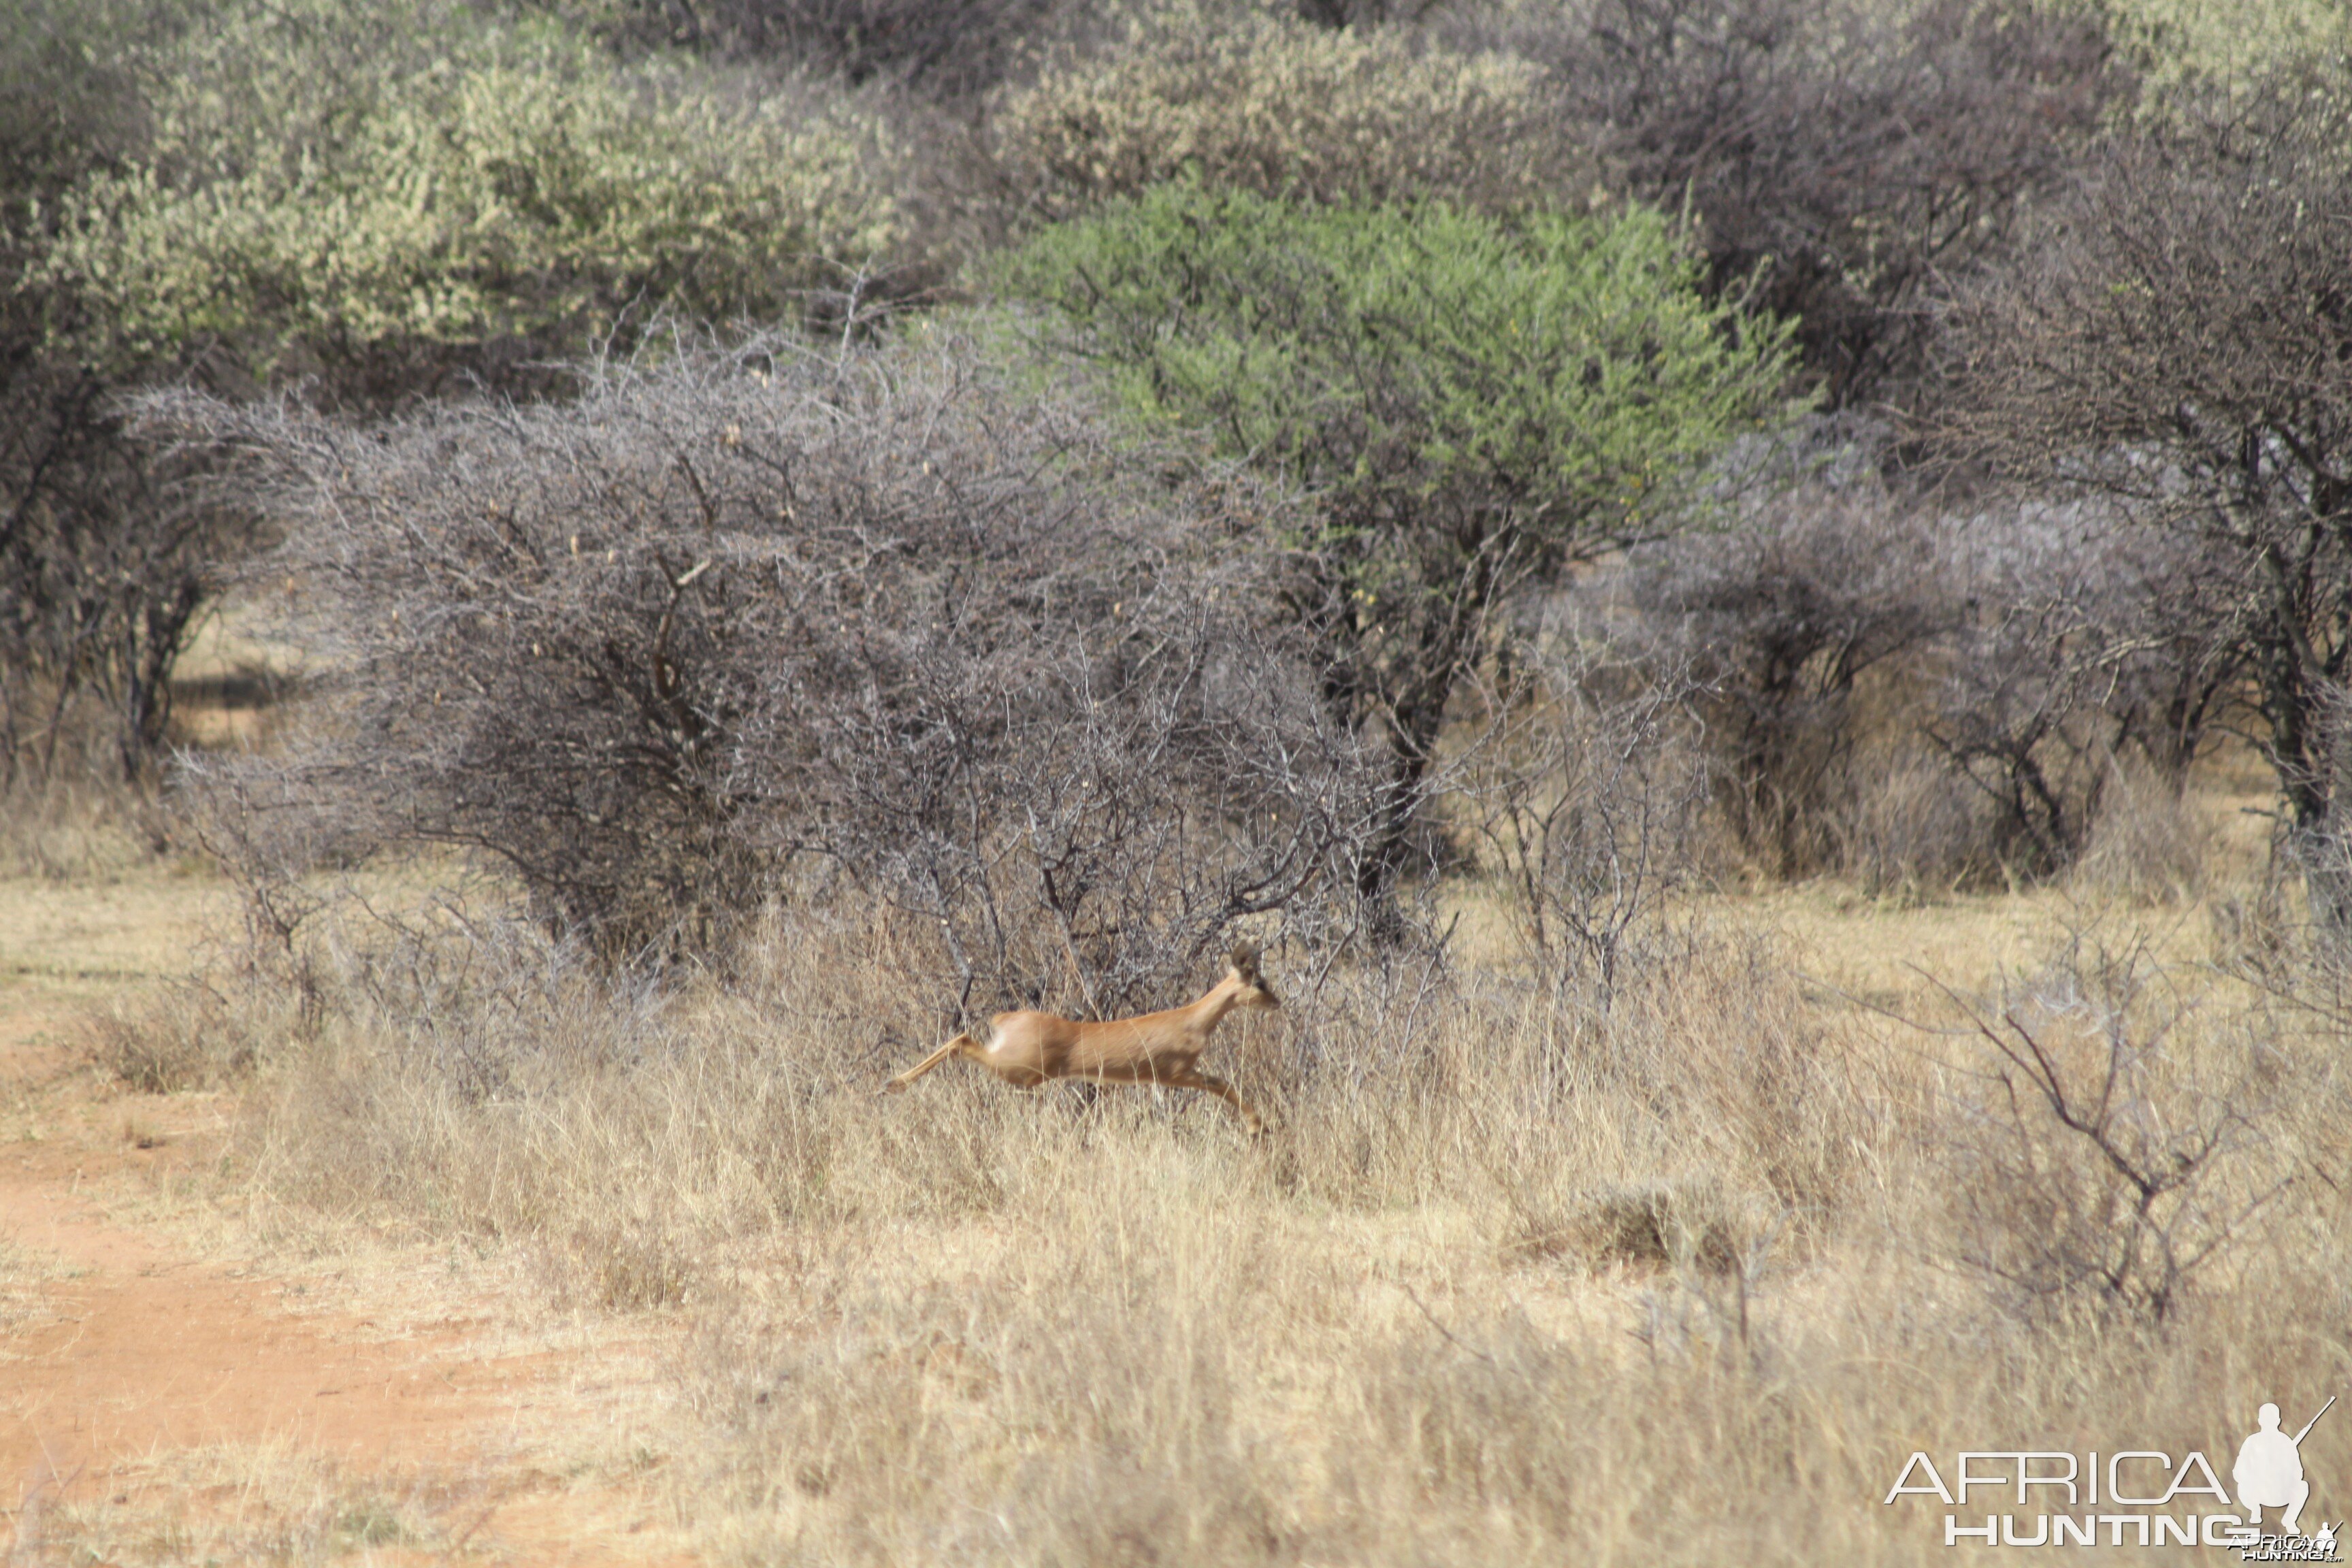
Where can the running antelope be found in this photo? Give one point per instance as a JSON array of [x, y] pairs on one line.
[[1026, 1049]]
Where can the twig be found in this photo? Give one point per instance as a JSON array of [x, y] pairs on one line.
[[1450, 1337]]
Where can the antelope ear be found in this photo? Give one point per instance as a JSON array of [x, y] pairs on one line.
[[1245, 959]]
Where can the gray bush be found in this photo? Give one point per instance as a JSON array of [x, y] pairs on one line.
[[2174, 353], [1846, 160], [1584, 793], [1782, 617], [2074, 651], [1916, 695], [741, 627]]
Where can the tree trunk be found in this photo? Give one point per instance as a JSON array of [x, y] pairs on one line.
[[2324, 844]]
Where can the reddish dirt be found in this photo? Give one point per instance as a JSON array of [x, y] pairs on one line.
[[150, 1351], [137, 1351]]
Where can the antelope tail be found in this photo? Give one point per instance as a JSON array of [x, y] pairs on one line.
[[929, 1062]]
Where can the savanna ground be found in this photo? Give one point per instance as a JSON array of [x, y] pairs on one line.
[[179, 1382], [1746, 596], [661, 1277]]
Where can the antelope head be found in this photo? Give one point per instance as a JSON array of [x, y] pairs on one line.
[[1241, 968]]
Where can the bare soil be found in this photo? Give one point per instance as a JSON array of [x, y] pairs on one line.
[[169, 1390]]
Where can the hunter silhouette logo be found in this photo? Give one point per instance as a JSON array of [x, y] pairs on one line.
[[2131, 1497], [2269, 1472]]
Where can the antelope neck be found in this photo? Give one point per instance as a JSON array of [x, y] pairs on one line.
[[1211, 1010]]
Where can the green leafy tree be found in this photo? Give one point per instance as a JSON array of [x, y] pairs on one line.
[[1475, 404], [319, 197], [1285, 107], [376, 199]]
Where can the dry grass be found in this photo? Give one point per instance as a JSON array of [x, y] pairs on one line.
[[68, 815], [24, 1276], [1519, 1277], [76, 829], [2152, 843], [1513, 1281], [273, 1502]]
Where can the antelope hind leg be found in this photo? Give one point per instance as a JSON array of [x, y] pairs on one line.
[[900, 1083]]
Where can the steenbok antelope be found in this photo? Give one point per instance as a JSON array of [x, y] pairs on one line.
[[1026, 1049]]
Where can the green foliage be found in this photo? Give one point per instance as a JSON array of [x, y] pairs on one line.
[[334, 181], [1566, 373], [2223, 42], [1285, 108], [1474, 403]]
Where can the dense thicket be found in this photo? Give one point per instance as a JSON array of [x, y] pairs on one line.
[[731, 624], [1844, 159], [97, 581], [367, 206], [2179, 346], [1915, 696], [1493, 290]]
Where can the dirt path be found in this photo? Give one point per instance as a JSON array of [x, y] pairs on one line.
[[137, 1351], [158, 1404]]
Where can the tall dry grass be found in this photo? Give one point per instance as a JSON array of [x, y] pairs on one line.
[[275, 1501], [1685, 1277]]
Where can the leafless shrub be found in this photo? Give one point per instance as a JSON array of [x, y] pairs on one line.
[[1907, 826], [2018, 726], [2075, 652], [104, 563], [1095, 840], [2106, 1149], [2174, 349], [1918, 697], [1851, 154], [1781, 615], [1584, 796], [741, 627]]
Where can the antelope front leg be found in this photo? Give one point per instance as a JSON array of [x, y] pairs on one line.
[[1208, 1084]]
